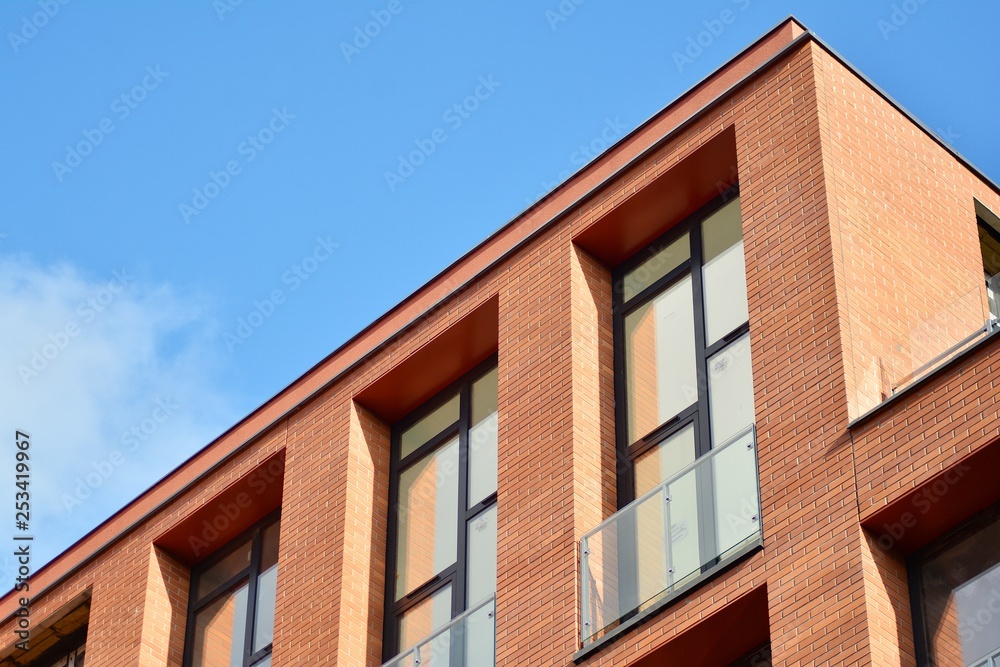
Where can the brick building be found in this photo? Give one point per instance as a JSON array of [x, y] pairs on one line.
[[729, 395]]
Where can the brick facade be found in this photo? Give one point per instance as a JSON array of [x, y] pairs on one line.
[[858, 228]]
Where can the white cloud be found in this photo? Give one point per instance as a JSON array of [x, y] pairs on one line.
[[113, 379]]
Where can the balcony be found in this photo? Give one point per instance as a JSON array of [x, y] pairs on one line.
[[959, 326], [467, 641], [699, 521]]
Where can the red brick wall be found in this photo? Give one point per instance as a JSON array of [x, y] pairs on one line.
[[909, 265], [164, 617]]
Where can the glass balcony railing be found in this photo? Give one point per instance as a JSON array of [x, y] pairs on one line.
[[946, 334], [468, 640], [703, 517]]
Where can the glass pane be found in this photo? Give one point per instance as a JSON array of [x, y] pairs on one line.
[[428, 523], [724, 272], [660, 359], [267, 588], [656, 555], [653, 545], [423, 619], [269, 546], [482, 556], [263, 662], [223, 571], [736, 499], [480, 637], [664, 461], [429, 426], [219, 631], [662, 262], [483, 439], [684, 556], [961, 596], [730, 391]]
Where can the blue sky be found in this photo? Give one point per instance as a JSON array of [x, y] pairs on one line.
[[195, 203]]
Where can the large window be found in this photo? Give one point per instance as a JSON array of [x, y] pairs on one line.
[[955, 588], [683, 350], [231, 610], [442, 552]]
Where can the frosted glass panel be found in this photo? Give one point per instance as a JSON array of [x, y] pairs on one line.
[[724, 272], [483, 439], [482, 556], [267, 586], [736, 494], [730, 389]]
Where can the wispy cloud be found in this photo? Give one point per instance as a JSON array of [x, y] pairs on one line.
[[128, 396]]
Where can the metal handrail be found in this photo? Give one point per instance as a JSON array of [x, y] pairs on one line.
[[683, 471], [458, 620]]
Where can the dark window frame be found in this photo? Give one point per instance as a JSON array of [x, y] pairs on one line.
[[916, 560], [698, 414], [251, 574], [457, 574]]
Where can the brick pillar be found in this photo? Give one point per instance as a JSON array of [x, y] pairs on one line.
[[363, 568], [164, 616], [536, 545]]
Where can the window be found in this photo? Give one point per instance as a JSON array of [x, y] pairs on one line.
[[442, 553], [955, 590], [231, 610], [683, 349], [989, 243]]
